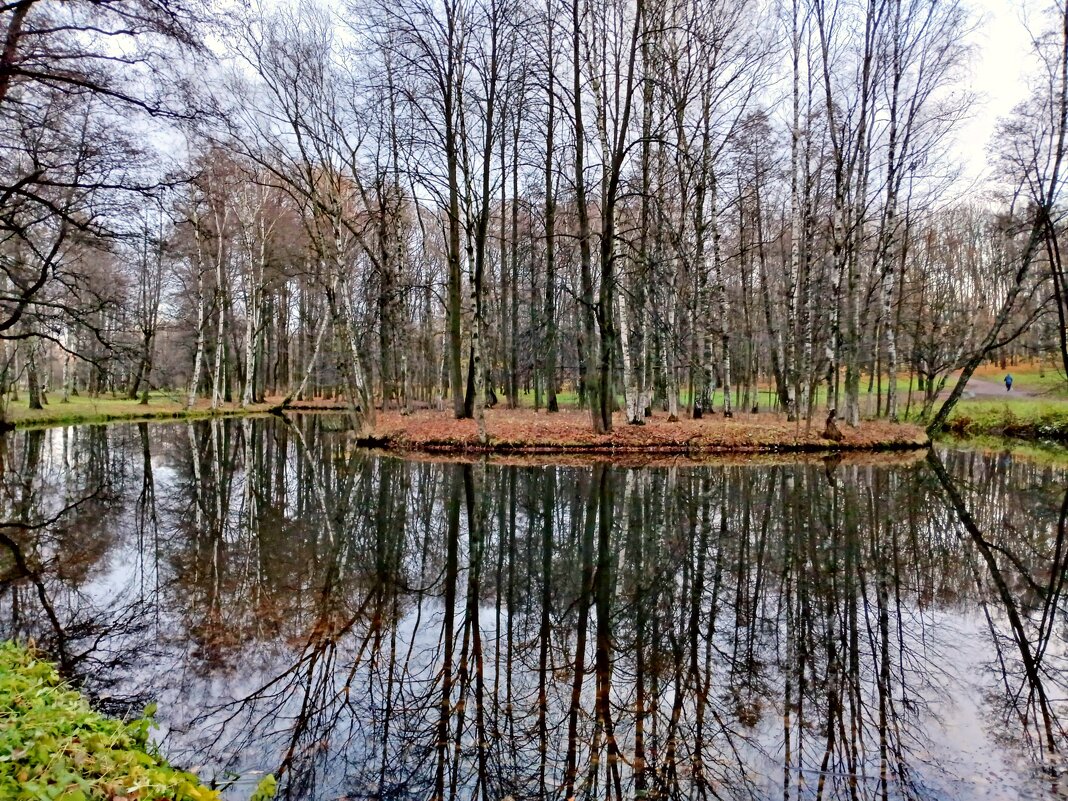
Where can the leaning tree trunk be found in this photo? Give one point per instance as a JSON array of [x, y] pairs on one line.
[[357, 383], [299, 391]]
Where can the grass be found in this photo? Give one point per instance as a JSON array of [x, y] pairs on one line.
[[53, 745], [85, 409], [1024, 418]]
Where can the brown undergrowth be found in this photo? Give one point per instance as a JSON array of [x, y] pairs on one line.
[[526, 432]]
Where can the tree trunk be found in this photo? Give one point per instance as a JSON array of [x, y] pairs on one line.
[[33, 380], [549, 321], [589, 376]]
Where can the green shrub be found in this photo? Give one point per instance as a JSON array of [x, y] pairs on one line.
[[55, 747]]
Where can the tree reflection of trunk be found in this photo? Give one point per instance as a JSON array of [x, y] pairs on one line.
[[589, 523], [668, 774], [147, 516], [452, 515], [390, 524], [1031, 650], [548, 498], [882, 601], [36, 577], [474, 489], [702, 520], [634, 532], [603, 585], [44, 502], [792, 585], [26, 563], [833, 680], [853, 583], [502, 715]]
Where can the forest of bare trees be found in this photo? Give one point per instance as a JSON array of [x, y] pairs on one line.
[[679, 207]]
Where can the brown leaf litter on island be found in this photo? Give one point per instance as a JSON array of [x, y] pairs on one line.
[[528, 433]]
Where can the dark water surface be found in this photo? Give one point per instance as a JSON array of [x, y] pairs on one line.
[[369, 627]]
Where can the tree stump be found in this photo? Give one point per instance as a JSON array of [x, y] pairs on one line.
[[830, 430]]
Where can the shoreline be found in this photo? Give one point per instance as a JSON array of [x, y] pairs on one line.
[[523, 432], [43, 419], [1038, 421], [832, 459], [609, 451]]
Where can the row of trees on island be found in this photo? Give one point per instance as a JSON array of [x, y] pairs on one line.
[[693, 206]]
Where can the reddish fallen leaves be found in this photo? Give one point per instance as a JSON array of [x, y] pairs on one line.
[[524, 431]]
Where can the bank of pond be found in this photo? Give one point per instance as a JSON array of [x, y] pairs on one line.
[[527, 431], [360, 625]]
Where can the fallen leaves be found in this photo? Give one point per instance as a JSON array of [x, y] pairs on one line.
[[528, 432]]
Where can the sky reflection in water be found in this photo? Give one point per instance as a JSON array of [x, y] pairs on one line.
[[369, 627]]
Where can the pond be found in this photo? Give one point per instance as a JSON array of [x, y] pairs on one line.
[[365, 626]]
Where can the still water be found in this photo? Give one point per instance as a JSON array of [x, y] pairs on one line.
[[369, 627]]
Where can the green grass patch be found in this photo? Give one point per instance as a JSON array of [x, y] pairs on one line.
[[103, 409], [1022, 418], [55, 747]]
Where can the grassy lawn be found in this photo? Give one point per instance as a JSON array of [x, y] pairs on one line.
[[85, 409]]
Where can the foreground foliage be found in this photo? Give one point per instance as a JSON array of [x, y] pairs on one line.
[[1030, 420], [54, 746]]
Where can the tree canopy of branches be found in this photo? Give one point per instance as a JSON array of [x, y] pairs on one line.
[[694, 206]]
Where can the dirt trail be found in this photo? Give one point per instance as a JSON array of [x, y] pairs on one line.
[[981, 388]]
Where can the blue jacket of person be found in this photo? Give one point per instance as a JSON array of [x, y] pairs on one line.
[[1008, 382]]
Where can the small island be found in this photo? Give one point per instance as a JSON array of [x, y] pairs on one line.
[[527, 432]]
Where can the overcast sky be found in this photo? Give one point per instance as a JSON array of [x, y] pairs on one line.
[[1002, 60]]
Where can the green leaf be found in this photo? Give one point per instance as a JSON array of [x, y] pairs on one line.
[[265, 790]]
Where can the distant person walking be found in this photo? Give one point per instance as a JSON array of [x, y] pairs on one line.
[[1008, 382]]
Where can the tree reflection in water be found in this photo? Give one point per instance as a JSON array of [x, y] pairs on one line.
[[369, 627]]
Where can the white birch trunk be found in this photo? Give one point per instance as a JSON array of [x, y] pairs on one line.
[[202, 322], [720, 288], [788, 348], [631, 395], [310, 366], [670, 375]]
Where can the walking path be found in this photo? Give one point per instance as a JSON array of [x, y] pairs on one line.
[[982, 388]]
